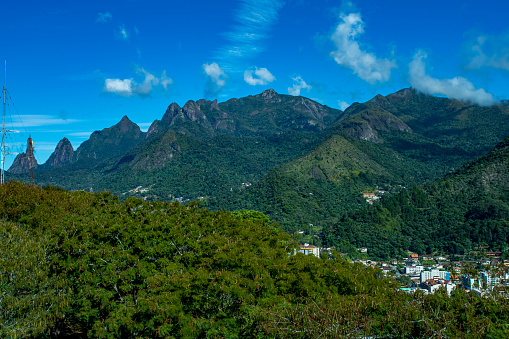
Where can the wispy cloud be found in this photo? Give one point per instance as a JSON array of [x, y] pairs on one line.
[[348, 52], [298, 85], [263, 76], [129, 87], [456, 88], [122, 33], [490, 51], [253, 22], [39, 120], [103, 17], [80, 134], [216, 79]]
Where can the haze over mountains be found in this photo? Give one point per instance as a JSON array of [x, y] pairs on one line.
[[290, 157]]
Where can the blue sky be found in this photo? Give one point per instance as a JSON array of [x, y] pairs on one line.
[[78, 66]]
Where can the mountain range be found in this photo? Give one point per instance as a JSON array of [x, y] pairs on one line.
[[290, 157]]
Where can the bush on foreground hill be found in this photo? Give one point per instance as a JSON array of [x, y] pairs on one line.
[[87, 265]]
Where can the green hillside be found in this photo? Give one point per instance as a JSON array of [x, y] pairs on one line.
[[466, 209], [322, 185]]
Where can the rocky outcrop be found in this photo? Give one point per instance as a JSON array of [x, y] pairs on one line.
[[172, 111], [24, 161], [62, 155], [193, 112], [270, 96]]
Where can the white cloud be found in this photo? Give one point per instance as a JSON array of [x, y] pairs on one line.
[[129, 87], [120, 87], [165, 81], [103, 17], [122, 33], [254, 20], [80, 134], [216, 77], [343, 105], [456, 88], [349, 54], [490, 51], [39, 120], [263, 74], [298, 86]]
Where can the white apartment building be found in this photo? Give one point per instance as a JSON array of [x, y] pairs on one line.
[[414, 269], [435, 275], [489, 279]]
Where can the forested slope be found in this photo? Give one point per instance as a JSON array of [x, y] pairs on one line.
[[468, 208], [87, 265]]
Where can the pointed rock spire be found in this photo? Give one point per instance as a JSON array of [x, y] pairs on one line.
[[24, 161], [62, 155], [172, 111]]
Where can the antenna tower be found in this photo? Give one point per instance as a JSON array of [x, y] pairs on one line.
[[4, 118]]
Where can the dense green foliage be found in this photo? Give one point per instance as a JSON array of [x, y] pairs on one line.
[[321, 186], [87, 265], [467, 208]]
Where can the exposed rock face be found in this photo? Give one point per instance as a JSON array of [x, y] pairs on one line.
[[193, 112], [154, 128], [365, 125], [62, 155], [23, 161], [310, 108], [271, 96], [171, 112], [362, 131]]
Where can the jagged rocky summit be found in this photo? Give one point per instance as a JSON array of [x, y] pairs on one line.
[[24, 161]]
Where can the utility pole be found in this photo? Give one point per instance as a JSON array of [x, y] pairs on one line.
[[4, 118]]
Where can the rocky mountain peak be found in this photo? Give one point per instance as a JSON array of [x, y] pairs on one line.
[[172, 111], [124, 125], [62, 155], [382, 102], [193, 111], [270, 95], [23, 161]]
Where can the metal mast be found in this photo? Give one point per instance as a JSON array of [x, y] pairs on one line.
[[4, 118]]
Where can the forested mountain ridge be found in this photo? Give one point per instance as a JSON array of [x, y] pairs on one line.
[[403, 139], [264, 114], [201, 149], [282, 148], [466, 209]]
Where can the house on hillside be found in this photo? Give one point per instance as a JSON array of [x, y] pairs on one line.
[[309, 249]]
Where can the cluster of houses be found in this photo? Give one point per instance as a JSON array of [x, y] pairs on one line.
[[370, 197], [449, 276], [442, 274]]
